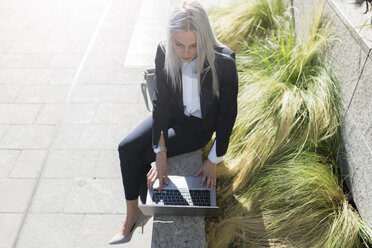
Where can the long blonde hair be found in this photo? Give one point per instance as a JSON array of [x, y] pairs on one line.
[[191, 17]]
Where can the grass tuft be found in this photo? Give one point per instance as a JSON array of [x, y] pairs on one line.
[[294, 201], [280, 104], [243, 20]]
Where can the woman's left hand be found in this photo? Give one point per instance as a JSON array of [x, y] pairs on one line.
[[208, 172]]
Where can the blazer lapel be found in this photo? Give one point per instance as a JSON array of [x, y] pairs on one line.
[[206, 89], [179, 93]]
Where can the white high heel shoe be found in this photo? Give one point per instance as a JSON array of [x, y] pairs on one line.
[[119, 238]]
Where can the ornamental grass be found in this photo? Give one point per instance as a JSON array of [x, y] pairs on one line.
[[245, 19], [295, 200], [279, 186], [287, 94]]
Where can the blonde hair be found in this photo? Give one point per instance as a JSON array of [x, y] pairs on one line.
[[191, 17]]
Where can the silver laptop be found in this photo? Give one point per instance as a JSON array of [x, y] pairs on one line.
[[182, 196]]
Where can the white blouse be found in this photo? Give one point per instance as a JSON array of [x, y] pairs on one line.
[[191, 99]]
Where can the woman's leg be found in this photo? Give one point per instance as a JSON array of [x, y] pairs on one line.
[[131, 153], [136, 155]]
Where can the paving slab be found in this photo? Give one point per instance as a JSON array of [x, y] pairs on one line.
[[79, 47], [8, 160], [4, 45], [129, 114], [51, 230], [107, 93], [96, 75], [25, 76], [72, 34], [64, 61], [102, 136], [43, 94], [8, 228], [28, 164], [80, 113], [27, 137], [51, 195], [49, 113], [62, 76], [8, 93], [3, 130], [127, 76], [68, 136], [91, 195], [11, 113], [38, 47], [15, 194], [24, 60], [71, 163]]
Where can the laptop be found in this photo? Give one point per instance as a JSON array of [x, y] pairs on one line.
[[182, 196]]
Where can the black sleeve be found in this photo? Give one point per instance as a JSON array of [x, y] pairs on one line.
[[161, 99], [228, 106]]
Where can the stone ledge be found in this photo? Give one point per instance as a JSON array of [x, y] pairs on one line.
[[180, 231], [352, 16]]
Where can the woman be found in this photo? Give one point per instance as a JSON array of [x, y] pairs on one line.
[[195, 95]]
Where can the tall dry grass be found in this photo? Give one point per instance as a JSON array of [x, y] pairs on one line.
[[295, 200], [279, 186], [287, 94], [245, 19]]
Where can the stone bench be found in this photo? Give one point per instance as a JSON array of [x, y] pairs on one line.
[[180, 231]]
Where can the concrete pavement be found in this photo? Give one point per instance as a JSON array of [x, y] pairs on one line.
[[69, 92]]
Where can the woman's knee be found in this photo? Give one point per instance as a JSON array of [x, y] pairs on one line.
[[137, 139], [124, 146], [133, 145]]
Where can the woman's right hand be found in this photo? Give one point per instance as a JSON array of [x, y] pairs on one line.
[[158, 171]]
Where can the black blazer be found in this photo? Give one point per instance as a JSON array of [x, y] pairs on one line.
[[218, 114]]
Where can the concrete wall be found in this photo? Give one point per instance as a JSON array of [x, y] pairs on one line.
[[351, 59]]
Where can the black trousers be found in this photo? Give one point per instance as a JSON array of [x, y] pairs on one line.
[[185, 134]]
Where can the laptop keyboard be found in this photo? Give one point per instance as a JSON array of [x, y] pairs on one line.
[[182, 197]]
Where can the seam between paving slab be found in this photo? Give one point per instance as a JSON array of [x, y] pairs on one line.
[[58, 124]]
